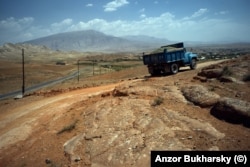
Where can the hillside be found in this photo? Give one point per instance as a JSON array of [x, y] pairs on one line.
[[120, 123], [10, 48], [88, 40], [10, 51]]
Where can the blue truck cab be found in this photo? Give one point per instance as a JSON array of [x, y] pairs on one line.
[[169, 58]]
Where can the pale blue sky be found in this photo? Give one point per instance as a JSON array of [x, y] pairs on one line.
[[184, 20]]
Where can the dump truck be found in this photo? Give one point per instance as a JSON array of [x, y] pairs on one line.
[[169, 58]]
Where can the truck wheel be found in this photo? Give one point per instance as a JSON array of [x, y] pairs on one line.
[[193, 64], [174, 68], [154, 72], [151, 71], [157, 72]]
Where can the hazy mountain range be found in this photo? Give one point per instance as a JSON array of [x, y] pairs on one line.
[[94, 41], [90, 40]]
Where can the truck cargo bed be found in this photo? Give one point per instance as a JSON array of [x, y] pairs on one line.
[[164, 57]]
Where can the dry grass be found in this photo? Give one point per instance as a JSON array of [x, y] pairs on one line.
[[68, 128], [227, 71], [38, 71], [157, 101]]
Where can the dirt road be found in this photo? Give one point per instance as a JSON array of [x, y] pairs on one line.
[[114, 124], [16, 122]]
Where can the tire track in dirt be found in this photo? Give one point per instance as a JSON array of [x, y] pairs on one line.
[[16, 124]]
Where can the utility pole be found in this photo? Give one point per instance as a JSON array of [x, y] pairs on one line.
[[93, 67], [23, 87], [78, 69]]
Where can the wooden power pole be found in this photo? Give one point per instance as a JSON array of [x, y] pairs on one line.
[[23, 87]]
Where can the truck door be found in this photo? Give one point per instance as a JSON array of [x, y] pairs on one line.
[[186, 57]]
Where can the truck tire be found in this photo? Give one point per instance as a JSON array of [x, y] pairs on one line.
[[193, 64], [154, 72], [151, 71], [174, 68]]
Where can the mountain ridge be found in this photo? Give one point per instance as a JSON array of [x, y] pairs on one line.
[[91, 40]]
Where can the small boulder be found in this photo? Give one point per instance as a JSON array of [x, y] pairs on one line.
[[227, 79], [199, 95], [70, 147], [119, 92], [200, 78], [211, 73], [232, 110]]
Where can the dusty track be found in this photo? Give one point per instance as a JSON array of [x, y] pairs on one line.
[[16, 123]]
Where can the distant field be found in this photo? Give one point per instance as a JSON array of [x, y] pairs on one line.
[[11, 74], [38, 70]]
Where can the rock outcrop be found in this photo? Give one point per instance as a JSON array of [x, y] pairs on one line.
[[200, 95], [210, 73], [232, 110]]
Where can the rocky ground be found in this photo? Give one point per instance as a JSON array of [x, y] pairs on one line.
[[120, 123]]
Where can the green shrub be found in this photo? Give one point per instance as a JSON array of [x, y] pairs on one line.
[[211, 88], [227, 71], [157, 101]]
